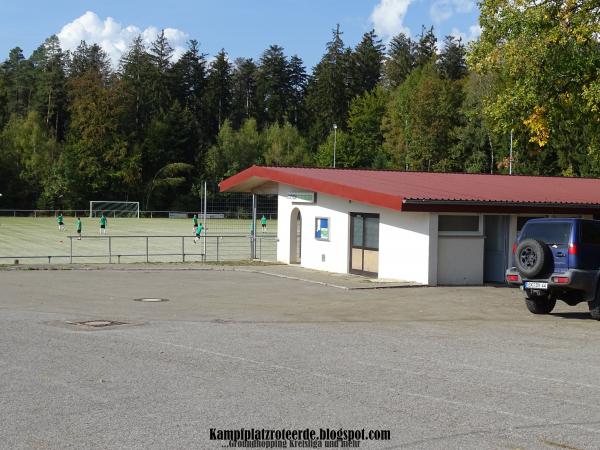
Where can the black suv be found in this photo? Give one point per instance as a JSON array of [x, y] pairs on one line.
[[558, 259]]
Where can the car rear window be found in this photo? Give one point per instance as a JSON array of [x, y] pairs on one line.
[[548, 232]]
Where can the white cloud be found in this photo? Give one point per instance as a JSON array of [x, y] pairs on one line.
[[473, 34], [442, 10], [113, 37], [388, 17]]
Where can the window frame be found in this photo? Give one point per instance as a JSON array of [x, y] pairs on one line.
[[478, 232]]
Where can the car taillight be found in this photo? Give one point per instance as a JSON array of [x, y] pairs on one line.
[[572, 249], [514, 248], [514, 278], [561, 280]]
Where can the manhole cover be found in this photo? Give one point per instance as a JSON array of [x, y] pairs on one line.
[[151, 299], [98, 323]]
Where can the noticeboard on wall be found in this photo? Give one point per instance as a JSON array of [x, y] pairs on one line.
[[322, 228]]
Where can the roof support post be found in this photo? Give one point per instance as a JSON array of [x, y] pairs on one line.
[[253, 250]]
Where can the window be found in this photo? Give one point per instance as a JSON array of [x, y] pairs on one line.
[[469, 224], [322, 228], [372, 232], [357, 231]]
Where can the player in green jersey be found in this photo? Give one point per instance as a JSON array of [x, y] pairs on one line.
[[78, 227], [61, 222], [195, 222], [102, 224], [198, 232], [263, 223]]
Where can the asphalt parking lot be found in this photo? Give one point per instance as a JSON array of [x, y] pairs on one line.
[[439, 367]]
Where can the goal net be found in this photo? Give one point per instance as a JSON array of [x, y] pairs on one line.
[[114, 209]]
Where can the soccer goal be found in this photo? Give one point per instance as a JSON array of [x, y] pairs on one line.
[[114, 209]]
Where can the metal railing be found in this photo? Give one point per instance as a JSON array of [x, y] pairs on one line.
[[219, 214], [214, 248], [43, 212]]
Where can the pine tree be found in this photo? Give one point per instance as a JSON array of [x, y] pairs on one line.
[[161, 53], [452, 60], [89, 58], [273, 87], [400, 60], [18, 78], [172, 137], [425, 48], [366, 64], [3, 100], [160, 56], [50, 85], [297, 82], [136, 72], [189, 86], [218, 92], [328, 94], [244, 102]]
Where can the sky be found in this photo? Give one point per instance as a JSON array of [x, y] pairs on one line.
[[241, 27]]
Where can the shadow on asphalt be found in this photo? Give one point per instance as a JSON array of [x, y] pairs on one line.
[[573, 315], [500, 285]]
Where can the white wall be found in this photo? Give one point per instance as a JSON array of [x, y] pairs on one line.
[[404, 242], [403, 237]]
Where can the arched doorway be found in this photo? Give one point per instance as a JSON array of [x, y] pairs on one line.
[[295, 236]]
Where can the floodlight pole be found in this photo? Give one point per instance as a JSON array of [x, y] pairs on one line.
[[334, 142], [510, 158]]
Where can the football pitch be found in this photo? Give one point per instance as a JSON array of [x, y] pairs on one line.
[[226, 240]]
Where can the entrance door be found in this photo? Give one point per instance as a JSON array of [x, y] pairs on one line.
[[295, 236], [495, 258], [364, 244]]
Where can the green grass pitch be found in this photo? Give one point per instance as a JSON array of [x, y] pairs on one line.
[[26, 236]]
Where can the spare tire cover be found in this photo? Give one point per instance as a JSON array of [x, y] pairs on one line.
[[532, 258]]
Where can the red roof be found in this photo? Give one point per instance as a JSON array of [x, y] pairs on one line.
[[420, 190]]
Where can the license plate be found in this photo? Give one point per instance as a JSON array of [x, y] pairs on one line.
[[535, 285]]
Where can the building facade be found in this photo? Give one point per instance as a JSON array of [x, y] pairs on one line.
[[433, 229]]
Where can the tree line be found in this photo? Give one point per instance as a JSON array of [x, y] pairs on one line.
[[74, 128]]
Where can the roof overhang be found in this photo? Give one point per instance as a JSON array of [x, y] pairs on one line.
[[251, 179], [498, 207], [259, 180]]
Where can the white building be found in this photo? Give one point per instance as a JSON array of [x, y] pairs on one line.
[[429, 228]]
